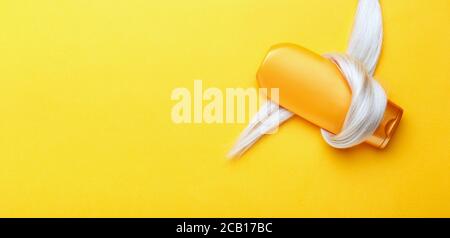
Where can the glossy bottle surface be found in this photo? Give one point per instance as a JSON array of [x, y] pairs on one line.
[[313, 87]]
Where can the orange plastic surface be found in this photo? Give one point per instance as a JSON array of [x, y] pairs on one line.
[[313, 87]]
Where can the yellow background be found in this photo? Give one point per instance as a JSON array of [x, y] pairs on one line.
[[85, 121]]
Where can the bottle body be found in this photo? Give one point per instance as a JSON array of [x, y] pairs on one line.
[[313, 87]]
